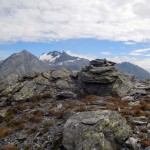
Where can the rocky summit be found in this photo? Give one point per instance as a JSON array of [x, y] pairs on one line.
[[102, 78], [97, 108]]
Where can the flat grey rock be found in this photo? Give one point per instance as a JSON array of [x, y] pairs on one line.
[[90, 121]]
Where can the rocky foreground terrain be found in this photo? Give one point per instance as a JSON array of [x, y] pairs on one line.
[[98, 108]]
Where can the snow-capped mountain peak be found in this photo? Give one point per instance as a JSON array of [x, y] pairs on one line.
[[62, 59], [50, 57], [56, 57]]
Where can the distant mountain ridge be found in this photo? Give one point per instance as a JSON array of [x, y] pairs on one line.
[[59, 60], [135, 70]]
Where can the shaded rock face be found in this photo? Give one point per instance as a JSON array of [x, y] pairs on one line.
[[138, 72], [102, 78], [95, 130]]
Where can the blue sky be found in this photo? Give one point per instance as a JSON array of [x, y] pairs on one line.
[[117, 30], [88, 47]]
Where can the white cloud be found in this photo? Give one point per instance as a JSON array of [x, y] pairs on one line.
[[66, 19], [106, 53], [89, 57], [140, 52], [122, 59], [129, 43]]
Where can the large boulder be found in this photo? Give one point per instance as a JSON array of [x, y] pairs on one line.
[[95, 130], [102, 78]]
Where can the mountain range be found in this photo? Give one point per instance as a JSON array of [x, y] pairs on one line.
[[59, 60], [25, 62]]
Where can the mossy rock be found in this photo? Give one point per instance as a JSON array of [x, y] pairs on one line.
[[107, 132]]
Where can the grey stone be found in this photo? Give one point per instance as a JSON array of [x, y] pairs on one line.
[[148, 125], [129, 98], [147, 148], [97, 134], [138, 122], [3, 102], [22, 137], [139, 91], [62, 84], [64, 73], [66, 95], [91, 121], [132, 143], [134, 103]]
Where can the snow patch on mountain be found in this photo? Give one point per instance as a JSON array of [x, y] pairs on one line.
[[49, 57]]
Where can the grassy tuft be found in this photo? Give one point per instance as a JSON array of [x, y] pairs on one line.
[[5, 131], [9, 147], [32, 130]]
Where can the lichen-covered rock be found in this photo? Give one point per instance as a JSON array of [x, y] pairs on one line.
[[64, 73], [95, 130], [36, 85], [104, 79], [29, 90]]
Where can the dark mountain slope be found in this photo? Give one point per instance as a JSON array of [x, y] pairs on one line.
[[135, 70], [22, 63]]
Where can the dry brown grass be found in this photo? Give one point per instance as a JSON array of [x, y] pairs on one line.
[[58, 114], [137, 112], [81, 108], [21, 126], [5, 131], [39, 113], [112, 107], [145, 143], [32, 130], [27, 146], [43, 96], [144, 106], [33, 104], [46, 96], [116, 104], [9, 147], [90, 98], [143, 136], [71, 104], [35, 118], [126, 111], [15, 122], [47, 125], [146, 99], [14, 110]]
